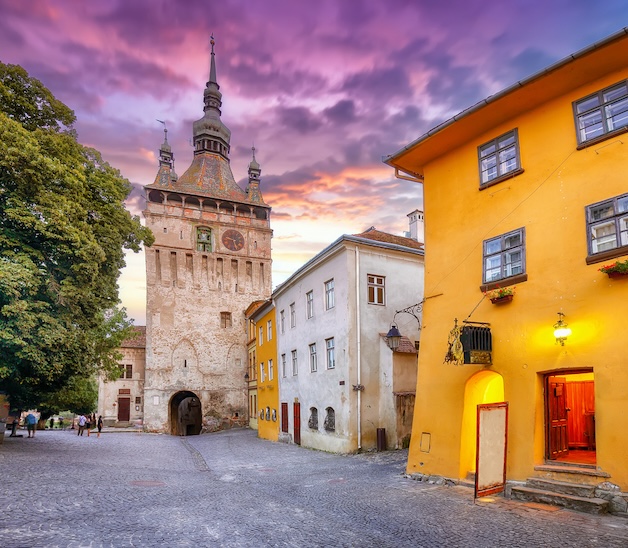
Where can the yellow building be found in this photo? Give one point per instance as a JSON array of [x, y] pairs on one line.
[[267, 377], [251, 374], [527, 191]]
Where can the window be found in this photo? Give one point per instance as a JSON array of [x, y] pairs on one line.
[[282, 322], [271, 373], [313, 363], [261, 336], [504, 256], [269, 330], [126, 371], [295, 365], [499, 157], [138, 400], [331, 355], [293, 316], [283, 366], [330, 298], [261, 372], [330, 420], [309, 304], [203, 239], [313, 420], [607, 224], [225, 319], [602, 112], [376, 289]]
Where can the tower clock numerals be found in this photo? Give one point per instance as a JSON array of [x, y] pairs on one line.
[[233, 240]]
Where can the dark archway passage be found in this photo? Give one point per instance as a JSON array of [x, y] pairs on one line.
[[185, 414]]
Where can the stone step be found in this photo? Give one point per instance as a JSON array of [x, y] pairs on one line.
[[562, 487], [590, 505]]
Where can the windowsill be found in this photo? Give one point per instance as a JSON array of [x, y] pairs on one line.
[[601, 138], [504, 282], [606, 255], [503, 178]]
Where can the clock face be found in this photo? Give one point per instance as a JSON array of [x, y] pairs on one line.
[[233, 240]]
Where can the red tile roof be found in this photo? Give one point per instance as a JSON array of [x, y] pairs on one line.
[[379, 236], [138, 340]]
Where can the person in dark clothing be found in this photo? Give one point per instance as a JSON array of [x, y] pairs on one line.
[[99, 424]]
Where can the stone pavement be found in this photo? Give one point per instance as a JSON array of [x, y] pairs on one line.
[[232, 489]]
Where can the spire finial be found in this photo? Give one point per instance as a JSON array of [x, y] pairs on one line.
[[253, 149], [212, 68], [165, 130], [212, 41]]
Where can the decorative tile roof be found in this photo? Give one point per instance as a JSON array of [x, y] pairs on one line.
[[138, 340], [379, 236], [406, 346]]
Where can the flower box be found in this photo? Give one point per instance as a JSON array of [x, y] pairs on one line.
[[502, 300], [618, 269], [615, 274]]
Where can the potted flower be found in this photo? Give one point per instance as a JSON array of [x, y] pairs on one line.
[[501, 295], [616, 269]]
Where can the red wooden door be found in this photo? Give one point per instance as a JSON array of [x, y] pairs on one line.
[[284, 417], [124, 409], [557, 423], [297, 423]]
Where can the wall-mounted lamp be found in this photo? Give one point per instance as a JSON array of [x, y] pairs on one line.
[[393, 337], [246, 377], [561, 331]]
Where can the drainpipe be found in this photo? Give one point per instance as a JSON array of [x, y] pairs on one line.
[[358, 342]]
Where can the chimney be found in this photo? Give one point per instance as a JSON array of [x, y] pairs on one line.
[[417, 226]]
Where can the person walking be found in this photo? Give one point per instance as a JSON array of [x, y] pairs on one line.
[[52, 423], [99, 424], [31, 422], [88, 424], [81, 424]]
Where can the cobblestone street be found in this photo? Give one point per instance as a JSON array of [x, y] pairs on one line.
[[232, 489]]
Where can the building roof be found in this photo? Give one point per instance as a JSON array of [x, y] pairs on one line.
[[379, 236], [558, 79], [138, 340]]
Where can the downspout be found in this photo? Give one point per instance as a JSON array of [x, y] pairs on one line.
[[358, 342]]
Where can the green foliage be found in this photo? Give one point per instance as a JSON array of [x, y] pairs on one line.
[[79, 395], [63, 232]]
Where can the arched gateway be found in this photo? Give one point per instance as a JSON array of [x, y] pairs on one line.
[[185, 414]]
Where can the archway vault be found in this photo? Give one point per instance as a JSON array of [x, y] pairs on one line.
[[186, 414]]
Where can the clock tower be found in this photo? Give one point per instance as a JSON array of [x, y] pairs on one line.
[[211, 258]]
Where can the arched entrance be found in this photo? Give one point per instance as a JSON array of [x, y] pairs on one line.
[[185, 414], [483, 387]]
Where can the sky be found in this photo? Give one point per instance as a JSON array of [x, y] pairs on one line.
[[323, 90]]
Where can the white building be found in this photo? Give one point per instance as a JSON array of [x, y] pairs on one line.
[[339, 381]]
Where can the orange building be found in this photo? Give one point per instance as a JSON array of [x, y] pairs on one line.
[[525, 196]]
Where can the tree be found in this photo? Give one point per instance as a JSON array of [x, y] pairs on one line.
[[63, 232]]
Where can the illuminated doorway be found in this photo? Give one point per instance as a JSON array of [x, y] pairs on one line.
[[483, 387], [185, 414], [570, 417]]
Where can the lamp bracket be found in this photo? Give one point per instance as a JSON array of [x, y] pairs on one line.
[[414, 311]]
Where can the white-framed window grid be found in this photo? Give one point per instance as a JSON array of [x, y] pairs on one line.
[[269, 330], [330, 297], [499, 157], [313, 361], [309, 304], [602, 112], [271, 371], [376, 286], [284, 373], [330, 349], [293, 315], [295, 365], [607, 224], [504, 256]]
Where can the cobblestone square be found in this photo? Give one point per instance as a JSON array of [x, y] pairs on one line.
[[232, 489]]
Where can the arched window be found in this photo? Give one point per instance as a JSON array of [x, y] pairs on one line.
[[204, 239], [313, 420], [330, 420]]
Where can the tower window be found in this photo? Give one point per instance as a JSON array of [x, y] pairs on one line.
[[225, 319], [203, 239]]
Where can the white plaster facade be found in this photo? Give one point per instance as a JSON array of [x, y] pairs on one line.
[[361, 385]]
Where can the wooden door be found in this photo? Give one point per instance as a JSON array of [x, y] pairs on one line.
[[557, 423], [297, 423], [284, 417], [124, 409]]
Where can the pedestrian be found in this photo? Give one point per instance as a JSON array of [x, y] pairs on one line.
[[52, 423], [31, 422], [61, 423], [99, 424], [88, 424], [81, 424]]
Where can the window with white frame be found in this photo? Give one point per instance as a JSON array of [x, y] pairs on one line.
[[607, 224], [284, 373], [331, 353], [499, 157], [269, 330], [330, 298], [295, 365], [603, 112], [282, 322], [260, 339], [504, 256], [309, 304], [376, 286], [293, 316], [262, 377], [313, 362], [271, 372]]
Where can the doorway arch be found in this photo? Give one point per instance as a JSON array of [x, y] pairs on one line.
[[483, 387], [186, 416]]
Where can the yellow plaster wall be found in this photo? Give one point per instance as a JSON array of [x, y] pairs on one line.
[[549, 200], [268, 390]]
